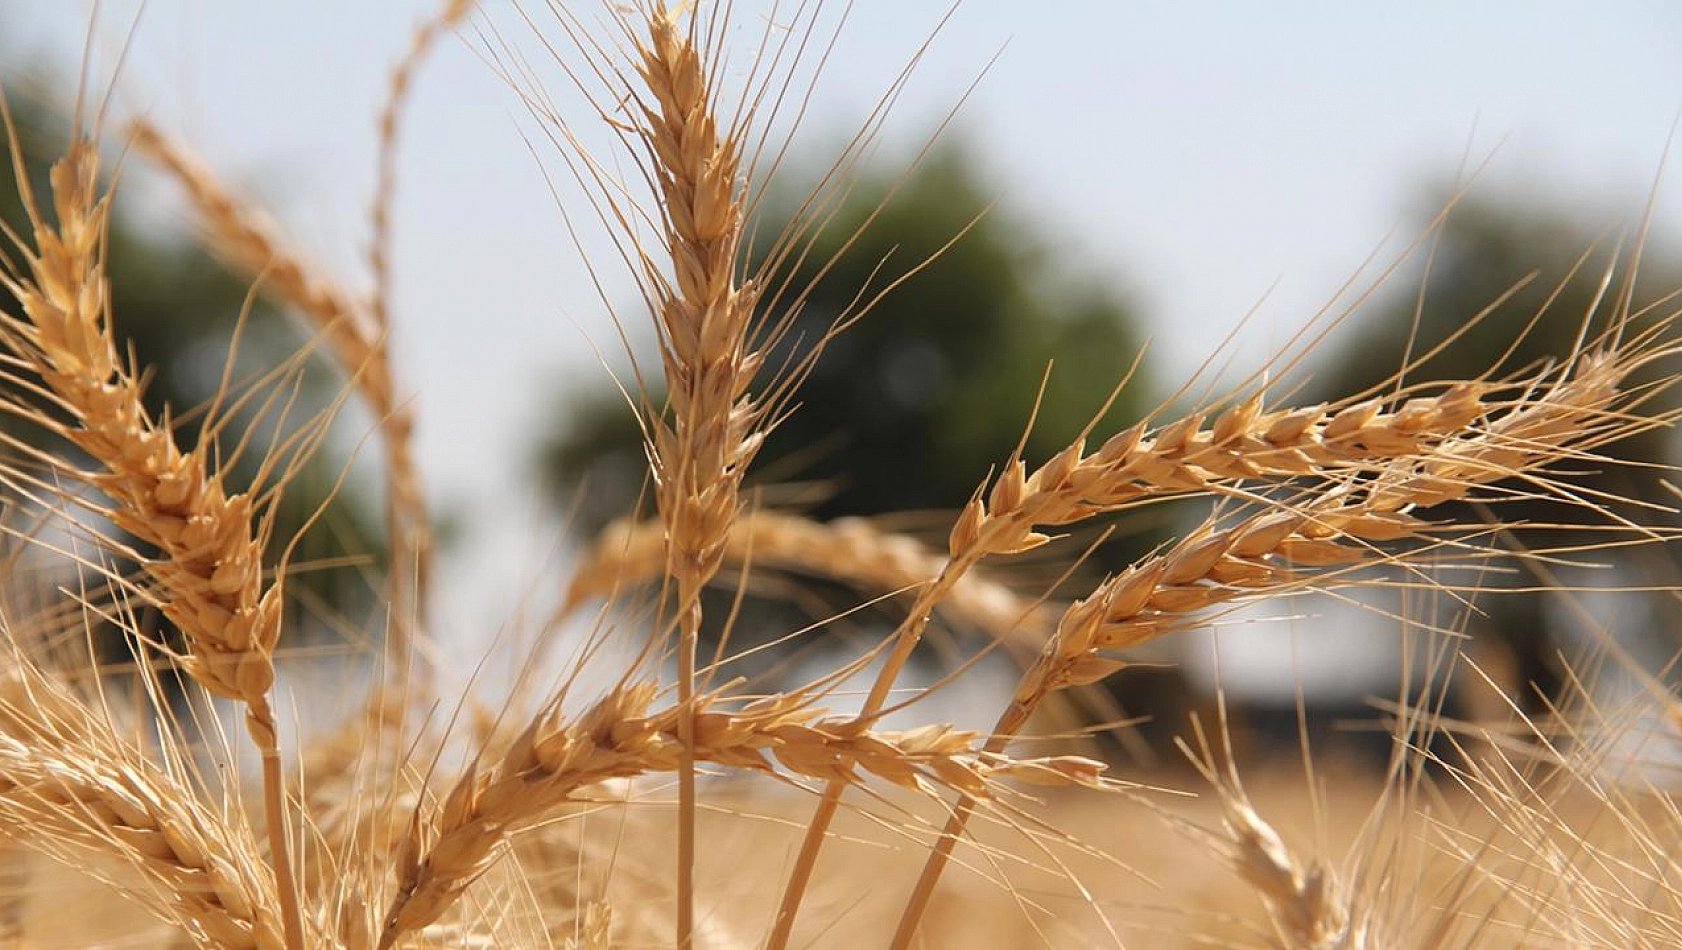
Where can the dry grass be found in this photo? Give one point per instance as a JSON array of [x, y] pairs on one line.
[[548, 823]]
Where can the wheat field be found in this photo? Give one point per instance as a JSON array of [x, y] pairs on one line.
[[654, 795]]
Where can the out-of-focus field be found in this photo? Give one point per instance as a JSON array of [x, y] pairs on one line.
[[1099, 870]]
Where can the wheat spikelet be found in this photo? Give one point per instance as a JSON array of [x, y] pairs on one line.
[[398, 86], [1244, 442], [69, 788], [1308, 911], [598, 923], [552, 760], [702, 312]]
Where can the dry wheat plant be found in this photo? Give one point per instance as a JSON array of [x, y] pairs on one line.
[[671, 802]]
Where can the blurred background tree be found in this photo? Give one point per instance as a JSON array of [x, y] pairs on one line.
[[176, 309]]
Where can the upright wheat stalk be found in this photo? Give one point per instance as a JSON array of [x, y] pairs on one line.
[[702, 451]]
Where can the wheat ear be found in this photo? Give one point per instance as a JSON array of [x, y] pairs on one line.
[[398, 86], [703, 314], [1244, 443], [209, 576], [237, 232], [1559, 418], [70, 788], [1190, 455], [1308, 911], [851, 550], [619, 737]]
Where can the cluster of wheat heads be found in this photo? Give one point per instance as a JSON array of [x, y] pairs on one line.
[[401, 832]]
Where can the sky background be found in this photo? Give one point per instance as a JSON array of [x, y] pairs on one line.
[[1204, 155]]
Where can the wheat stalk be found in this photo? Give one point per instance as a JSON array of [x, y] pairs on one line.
[[209, 578], [69, 787], [704, 315], [1136, 465], [398, 87], [1562, 417], [850, 550], [619, 737]]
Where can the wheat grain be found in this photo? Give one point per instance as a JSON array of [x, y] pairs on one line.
[[237, 232], [211, 572]]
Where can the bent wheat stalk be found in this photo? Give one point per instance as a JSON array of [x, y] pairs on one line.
[[850, 550], [1561, 417], [1138, 464], [209, 575], [69, 788], [619, 737]]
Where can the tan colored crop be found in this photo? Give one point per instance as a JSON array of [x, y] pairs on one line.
[[209, 576], [402, 848], [236, 232], [1304, 901], [210, 579], [703, 314], [619, 737], [1271, 552], [850, 550], [67, 786]]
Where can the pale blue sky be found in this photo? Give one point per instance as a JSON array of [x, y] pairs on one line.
[[1201, 152]]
